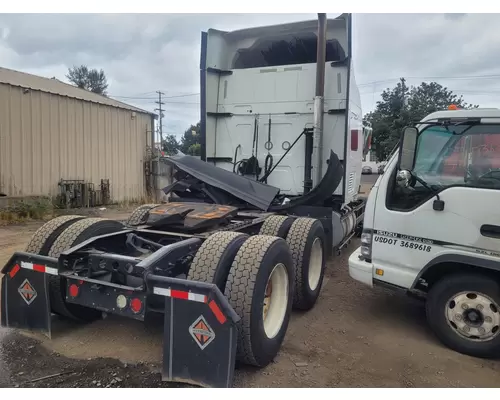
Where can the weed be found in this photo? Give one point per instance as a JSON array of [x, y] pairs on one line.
[[38, 208]]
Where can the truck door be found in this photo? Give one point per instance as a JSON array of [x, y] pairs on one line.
[[460, 165]]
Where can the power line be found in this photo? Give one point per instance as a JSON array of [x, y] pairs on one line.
[[140, 96], [153, 98], [182, 102], [182, 95], [457, 91], [464, 77]]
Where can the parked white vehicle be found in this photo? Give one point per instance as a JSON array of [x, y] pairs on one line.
[[432, 227]]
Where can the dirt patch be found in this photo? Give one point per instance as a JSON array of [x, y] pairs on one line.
[[35, 366]]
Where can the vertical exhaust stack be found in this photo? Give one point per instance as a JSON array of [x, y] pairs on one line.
[[317, 146]]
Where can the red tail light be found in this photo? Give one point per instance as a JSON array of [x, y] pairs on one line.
[[73, 290], [136, 305]]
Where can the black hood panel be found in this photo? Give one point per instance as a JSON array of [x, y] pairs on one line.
[[248, 190]]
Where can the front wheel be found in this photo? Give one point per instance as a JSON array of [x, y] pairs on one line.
[[463, 310]]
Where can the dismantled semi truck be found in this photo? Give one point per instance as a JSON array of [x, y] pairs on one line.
[[247, 230]]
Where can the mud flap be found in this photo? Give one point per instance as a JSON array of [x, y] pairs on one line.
[[25, 296], [199, 339]]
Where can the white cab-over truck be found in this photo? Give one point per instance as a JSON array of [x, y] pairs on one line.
[[432, 226]]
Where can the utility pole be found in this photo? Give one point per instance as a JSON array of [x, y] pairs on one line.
[[160, 110], [158, 174]]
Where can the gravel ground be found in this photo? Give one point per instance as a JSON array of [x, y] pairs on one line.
[[354, 337]]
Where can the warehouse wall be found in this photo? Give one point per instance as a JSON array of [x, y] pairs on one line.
[[45, 138]]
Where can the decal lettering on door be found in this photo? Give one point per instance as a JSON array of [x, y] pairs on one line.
[[410, 242]]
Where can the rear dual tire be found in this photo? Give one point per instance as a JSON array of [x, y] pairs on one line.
[[244, 268], [138, 216], [75, 234], [261, 332], [44, 237], [58, 235], [307, 240], [213, 260], [276, 225]]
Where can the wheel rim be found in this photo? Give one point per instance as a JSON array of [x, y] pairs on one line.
[[315, 263], [275, 300], [473, 315]]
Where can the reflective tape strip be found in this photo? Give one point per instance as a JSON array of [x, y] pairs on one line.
[[15, 269], [200, 298], [217, 312], [39, 268], [161, 292], [180, 294]]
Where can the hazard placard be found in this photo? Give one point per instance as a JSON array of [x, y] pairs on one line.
[[201, 332], [27, 292]]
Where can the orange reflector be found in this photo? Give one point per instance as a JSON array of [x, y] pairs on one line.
[[217, 312], [136, 305], [73, 290], [15, 269], [379, 272]]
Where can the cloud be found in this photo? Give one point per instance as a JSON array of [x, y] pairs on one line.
[[454, 16], [147, 52]]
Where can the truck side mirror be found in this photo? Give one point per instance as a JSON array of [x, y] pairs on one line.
[[408, 148]]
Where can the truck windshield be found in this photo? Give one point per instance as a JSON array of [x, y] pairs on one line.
[[459, 155], [454, 155]]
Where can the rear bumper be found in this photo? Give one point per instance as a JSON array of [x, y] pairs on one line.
[[359, 269]]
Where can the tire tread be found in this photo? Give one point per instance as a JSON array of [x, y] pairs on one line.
[[272, 225], [139, 213], [240, 287], [69, 235], [207, 257], [64, 242], [43, 233], [296, 239]]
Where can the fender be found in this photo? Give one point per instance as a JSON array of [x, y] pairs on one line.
[[323, 190], [457, 259]]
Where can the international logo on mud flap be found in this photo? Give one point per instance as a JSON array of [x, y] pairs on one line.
[[27, 292], [201, 332]]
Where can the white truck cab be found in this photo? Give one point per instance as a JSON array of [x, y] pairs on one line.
[[432, 226]]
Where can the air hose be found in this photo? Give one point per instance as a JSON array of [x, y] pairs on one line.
[[268, 163], [235, 163]]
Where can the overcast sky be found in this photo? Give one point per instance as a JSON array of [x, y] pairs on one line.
[[144, 53]]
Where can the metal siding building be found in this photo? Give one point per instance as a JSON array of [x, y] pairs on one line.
[[50, 130]]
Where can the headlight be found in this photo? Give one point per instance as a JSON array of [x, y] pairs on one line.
[[366, 245]]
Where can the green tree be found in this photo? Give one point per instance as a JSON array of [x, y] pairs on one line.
[[194, 149], [402, 106], [88, 79], [170, 145], [191, 137]]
